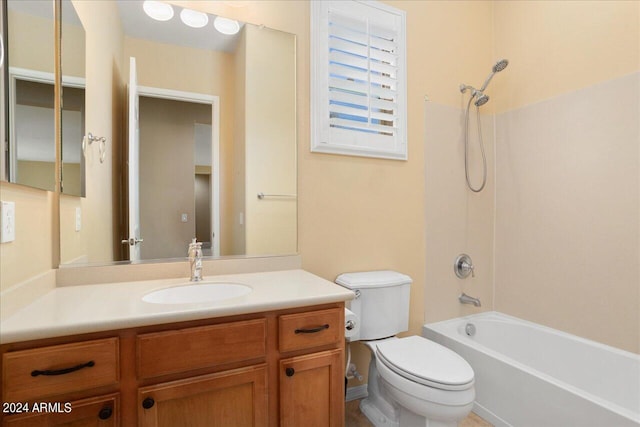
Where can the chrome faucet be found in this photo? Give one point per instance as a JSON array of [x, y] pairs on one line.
[[466, 299], [195, 260]]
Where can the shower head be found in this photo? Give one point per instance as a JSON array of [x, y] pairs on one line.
[[481, 100], [499, 66]]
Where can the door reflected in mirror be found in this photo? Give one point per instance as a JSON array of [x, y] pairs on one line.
[[215, 120]]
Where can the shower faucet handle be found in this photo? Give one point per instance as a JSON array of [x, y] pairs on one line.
[[463, 266]]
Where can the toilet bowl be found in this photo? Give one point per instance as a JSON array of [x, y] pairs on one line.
[[430, 384], [413, 382]]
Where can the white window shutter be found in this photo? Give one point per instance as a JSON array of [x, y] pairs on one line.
[[358, 79]]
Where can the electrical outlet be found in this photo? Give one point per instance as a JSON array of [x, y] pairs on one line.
[[78, 219], [7, 222]]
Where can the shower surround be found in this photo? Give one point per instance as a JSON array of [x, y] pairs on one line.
[[567, 227]]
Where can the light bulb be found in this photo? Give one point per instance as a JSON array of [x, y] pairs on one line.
[[194, 19], [158, 10], [226, 25]]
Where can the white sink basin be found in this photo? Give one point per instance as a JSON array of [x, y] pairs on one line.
[[197, 293]]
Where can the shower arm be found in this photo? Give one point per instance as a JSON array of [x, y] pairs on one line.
[[486, 82]]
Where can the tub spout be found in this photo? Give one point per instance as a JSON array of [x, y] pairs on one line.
[[466, 299]]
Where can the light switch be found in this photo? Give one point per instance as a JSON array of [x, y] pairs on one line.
[[184, 217], [78, 218], [7, 222]]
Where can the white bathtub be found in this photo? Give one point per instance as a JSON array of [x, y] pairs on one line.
[[528, 375]]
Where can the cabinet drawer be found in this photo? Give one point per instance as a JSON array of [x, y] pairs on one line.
[[188, 349], [311, 329], [100, 411], [59, 369]]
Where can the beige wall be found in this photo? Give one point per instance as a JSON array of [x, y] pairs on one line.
[[36, 174], [103, 117], [556, 47], [568, 191], [270, 140], [31, 42], [32, 251]]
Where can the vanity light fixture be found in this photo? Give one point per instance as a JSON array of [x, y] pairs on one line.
[[193, 18], [158, 10], [226, 25]]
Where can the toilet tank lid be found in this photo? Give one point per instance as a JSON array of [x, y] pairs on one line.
[[372, 279]]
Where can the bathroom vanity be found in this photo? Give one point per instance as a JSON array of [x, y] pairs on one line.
[[272, 357]]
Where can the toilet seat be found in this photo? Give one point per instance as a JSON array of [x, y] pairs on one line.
[[426, 362]]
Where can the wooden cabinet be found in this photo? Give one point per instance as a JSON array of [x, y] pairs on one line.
[[303, 331], [312, 390], [182, 350], [100, 411], [59, 369], [231, 371], [230, 398], [312, 384]]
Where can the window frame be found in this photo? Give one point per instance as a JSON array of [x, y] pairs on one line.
[[321, 141]]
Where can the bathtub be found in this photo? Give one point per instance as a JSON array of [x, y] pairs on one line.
[[528, 375]]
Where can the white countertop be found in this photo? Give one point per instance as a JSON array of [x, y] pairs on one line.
[[91, 308]]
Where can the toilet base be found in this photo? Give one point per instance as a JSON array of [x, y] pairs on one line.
[[410, 419], [405, 417], [375, 415]]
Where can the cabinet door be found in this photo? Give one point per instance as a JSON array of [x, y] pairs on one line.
[[94, 412], [312, 390], [235, 398]]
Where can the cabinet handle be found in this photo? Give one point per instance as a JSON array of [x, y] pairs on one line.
[[312, 330], [148, 403], [289, 372], [37, 372], [105, 413]]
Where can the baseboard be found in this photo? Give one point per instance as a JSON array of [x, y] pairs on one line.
[[489, 416], [355, 393]]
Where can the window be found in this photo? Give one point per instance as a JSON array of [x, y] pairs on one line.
[[358, 79]]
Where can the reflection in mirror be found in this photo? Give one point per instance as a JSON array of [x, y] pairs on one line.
[[31, 151], [4, 104], [73, 100], [211, 123]]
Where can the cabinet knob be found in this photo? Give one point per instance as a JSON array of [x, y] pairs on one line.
[[289, 372], [105, 413], [148, 403]]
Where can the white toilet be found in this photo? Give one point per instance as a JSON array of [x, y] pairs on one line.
[[413, 382]]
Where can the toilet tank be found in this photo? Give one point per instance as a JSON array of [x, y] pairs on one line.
[[381, 303]]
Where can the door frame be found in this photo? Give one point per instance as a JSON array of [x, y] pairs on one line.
[[214, 101], [24, 74]]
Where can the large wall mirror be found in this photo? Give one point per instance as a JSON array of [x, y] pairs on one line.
[[29, 76], [192, 135]]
